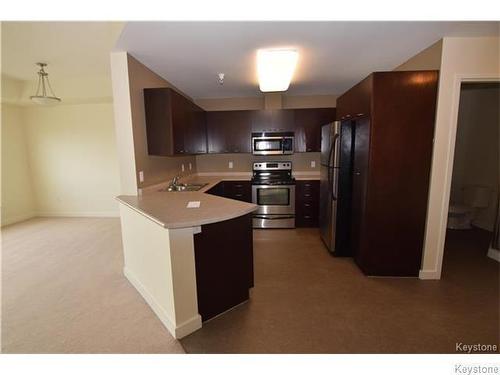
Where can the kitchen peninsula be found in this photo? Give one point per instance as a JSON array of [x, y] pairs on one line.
[[189, 264]]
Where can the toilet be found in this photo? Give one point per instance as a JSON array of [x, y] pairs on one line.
[[460, 215]]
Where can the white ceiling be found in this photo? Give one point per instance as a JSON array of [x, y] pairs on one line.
[[333, 55], [70, 48]]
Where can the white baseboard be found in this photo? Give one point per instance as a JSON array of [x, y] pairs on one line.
[[494, 254], [17, 218], [429, 275], [78, 214], [179, 331]]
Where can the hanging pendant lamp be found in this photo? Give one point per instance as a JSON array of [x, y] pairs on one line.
[[42, 96]]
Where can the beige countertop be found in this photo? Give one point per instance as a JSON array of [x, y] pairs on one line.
[[169, 210]]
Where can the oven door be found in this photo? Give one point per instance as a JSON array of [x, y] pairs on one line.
[[274, 199], [267, 145]]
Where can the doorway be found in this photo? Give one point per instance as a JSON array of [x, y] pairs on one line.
[[474, 195]]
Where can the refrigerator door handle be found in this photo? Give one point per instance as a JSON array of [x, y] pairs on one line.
[[332, 180], [333, 150], [335, 184]]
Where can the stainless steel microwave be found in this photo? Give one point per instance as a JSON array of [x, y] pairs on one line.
[[272, 143]]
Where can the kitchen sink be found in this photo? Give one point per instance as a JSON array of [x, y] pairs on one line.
[[184, 187]]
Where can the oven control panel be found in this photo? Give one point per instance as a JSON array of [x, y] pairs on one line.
[[272, 166]]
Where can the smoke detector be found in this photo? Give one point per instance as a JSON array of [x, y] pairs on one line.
[[221, 78]]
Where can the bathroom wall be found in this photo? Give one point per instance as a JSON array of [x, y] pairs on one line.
[[477, 146]]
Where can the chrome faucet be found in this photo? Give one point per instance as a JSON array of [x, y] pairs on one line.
[[174, 183]]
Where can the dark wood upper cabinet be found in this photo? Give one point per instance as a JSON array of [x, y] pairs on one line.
[[393, 115], [357, 101], [229, 131], [277, 120], [307, 127], [177, 126], [174, 124]]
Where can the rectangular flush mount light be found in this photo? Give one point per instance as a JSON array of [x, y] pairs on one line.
[[275, 68]]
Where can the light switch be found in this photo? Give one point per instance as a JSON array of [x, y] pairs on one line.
[[230, 165], [182, 167], [313, 164], [141, 176]]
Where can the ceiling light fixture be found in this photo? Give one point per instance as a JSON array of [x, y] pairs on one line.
[[41, 96], [221, 78], [275, 68]]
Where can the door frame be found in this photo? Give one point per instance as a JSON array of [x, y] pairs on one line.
[[445, 181]]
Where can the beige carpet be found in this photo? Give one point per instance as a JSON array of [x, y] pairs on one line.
[[64, 291]]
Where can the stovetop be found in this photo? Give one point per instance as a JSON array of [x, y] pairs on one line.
[[272, 173]]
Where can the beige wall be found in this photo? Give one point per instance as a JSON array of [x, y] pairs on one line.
[[18, 202], [243, 162], [254, 103], [72, 153], [69, 150], [463, 59], [156, 168], [428, 59], [476, 160]]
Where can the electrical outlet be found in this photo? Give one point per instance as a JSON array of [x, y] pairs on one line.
[[230, 165], [313, 164], [182, 167], [190, 166], [141, 176]]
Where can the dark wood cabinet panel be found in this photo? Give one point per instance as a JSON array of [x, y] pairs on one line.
[[273, 120], [238, 190], [357, 101], [224, 265], [392, 159], [174, 124], [307, 203], [229, 131], [307, 127]]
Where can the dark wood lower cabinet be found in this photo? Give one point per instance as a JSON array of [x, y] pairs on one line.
[[307, 203], [224, 265], [238, 190]]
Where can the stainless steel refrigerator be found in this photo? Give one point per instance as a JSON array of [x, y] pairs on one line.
[[337, 141]]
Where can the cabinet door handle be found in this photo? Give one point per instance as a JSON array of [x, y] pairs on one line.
[[307, 184], [360, 114], [307, 217], [306, 204], [238, 186], [238, 195], [307, 195]]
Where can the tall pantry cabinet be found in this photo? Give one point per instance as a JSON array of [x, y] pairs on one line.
[[393, 115]]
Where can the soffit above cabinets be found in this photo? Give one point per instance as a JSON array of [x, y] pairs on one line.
[[332, 55]]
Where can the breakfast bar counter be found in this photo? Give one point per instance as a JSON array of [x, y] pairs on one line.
[[189, 264]]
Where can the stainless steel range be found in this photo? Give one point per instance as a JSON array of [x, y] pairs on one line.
[[273, 190]]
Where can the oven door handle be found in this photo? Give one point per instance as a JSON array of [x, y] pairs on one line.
[[273, 217]]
